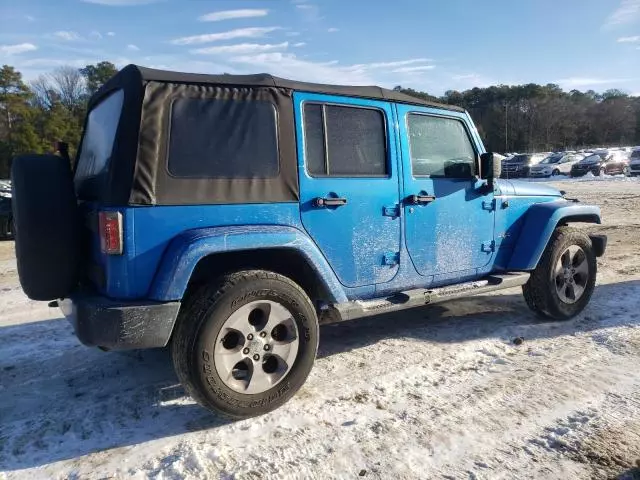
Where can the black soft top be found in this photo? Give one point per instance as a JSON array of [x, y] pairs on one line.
[[134, 74]]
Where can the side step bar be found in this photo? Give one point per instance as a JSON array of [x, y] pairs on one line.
[[418, 297]]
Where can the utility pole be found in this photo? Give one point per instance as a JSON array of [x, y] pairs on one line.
[[506, 128]]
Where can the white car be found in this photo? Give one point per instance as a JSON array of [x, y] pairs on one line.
[[555, 164]]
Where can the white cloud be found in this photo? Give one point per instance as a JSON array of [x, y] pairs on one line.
[[17, 49], [309, 11], [576, 82], [421, 68], [251, 32], [292, 34], [95, 34], [333, 30], [30, 18], [133, 48], [66, 35], [627, 12], [634, 39], [241, 48], [289, 65], [400, 63], [299, 44], [231, 14], [121, 3], [111, 34]]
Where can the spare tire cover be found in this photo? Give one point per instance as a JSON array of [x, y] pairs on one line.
[[46, 219]]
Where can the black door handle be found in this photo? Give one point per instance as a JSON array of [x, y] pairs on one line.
[[420, 199], [329, 202]]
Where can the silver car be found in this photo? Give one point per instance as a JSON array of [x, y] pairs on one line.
[[555, 164]]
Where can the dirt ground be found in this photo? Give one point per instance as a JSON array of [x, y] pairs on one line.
[[440, 392]]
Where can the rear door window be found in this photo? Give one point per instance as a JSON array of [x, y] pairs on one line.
[[343, 141], [99, 137], [223, 138]]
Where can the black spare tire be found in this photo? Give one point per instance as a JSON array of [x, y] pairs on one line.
[[45, 214]]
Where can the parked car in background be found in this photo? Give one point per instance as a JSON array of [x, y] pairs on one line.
[[6, 215], [555, 164], [603, 162], [634, 163], [519, 165]]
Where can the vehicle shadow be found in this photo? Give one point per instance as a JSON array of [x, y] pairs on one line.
[[60, 400]]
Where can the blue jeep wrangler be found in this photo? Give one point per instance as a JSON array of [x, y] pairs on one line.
[[228, 216]]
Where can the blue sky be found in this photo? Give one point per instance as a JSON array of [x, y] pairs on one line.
[[424, 44]]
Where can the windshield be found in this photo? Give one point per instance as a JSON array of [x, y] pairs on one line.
[[551, 159], [591, 159], [518, 159], [99, 136]]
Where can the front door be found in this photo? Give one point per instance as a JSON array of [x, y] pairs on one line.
[[449, 215], [349, 184]]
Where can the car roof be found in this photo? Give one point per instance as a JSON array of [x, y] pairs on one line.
[[138, 74]]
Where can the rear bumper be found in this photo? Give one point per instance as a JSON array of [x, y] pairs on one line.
[[103, 322]]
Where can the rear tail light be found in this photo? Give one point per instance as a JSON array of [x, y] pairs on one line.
[[111, 232]]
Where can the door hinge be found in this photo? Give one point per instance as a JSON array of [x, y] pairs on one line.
[[391, 258], [392, 211], [489, 247], [491, 205]]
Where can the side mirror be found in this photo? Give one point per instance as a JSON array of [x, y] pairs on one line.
[[490, 168]]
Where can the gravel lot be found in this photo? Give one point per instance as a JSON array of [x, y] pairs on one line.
[[440, 392]]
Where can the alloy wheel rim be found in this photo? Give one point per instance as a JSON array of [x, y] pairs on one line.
[[571, 274], [256, 347]]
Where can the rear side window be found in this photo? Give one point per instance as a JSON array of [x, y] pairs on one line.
[[440, 147], [223, 139], [344, 141], [99, 137]]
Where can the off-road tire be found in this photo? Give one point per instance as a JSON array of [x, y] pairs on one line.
[[201, 319], [540, 293]]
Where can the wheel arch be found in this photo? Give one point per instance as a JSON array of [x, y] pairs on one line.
[[195, 256], [540, 222]]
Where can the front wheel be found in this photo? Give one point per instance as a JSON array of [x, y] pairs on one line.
[[555, 173], [626, 172], [246, 343], [562, 284]]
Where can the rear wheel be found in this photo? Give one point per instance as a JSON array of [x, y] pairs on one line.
[[562, 284], [626, 171], [555, 173], [246, 343]]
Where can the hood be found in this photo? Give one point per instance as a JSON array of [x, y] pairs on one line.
[[530, 189]]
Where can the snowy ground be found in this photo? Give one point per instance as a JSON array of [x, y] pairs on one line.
[[439, 392]]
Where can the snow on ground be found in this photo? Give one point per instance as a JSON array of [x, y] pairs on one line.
[[440, 392]]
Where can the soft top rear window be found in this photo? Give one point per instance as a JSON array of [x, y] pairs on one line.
[[97, 145]]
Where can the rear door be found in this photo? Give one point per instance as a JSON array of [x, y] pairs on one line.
[[449, 216], [349, 184]]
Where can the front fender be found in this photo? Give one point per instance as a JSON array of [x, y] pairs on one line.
[[186, 250], [540, 222]]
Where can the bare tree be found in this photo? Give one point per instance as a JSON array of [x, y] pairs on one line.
[[69, 83]]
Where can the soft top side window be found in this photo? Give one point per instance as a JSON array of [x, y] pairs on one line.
[[223, 138], [440, 147]]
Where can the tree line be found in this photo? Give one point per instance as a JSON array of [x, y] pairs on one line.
[[51, 108], [534, 118], [521, 118]]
